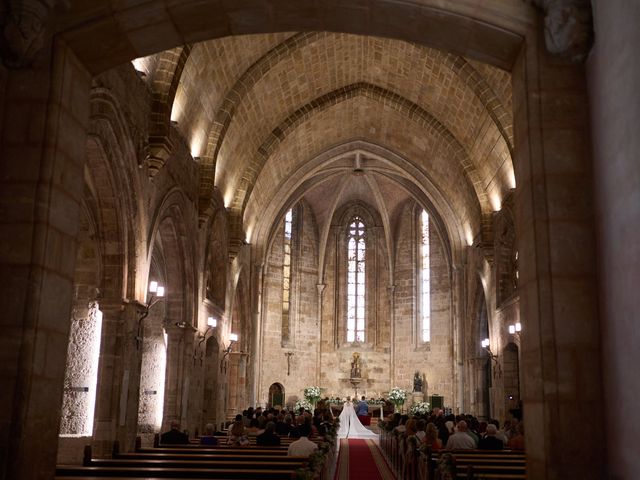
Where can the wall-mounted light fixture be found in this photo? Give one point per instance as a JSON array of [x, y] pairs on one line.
[[211, 324], [233, 337], [515, 329], [156, 292], [487, 346]]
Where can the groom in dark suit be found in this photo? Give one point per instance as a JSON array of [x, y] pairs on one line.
[[362, 409]]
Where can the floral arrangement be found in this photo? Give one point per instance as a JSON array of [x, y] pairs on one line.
[[312, 394], [397, 396], [335, 401], [302, 405], [420, 408], [376, 401]]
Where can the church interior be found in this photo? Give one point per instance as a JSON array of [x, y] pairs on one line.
[[209, 205]]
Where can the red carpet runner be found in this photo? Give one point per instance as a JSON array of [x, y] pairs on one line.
[[361, 460]]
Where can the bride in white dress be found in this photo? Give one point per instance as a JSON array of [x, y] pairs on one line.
[[350, 425]]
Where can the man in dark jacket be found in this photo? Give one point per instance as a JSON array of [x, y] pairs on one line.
[[490, 442], [268, 437], [174, 436]]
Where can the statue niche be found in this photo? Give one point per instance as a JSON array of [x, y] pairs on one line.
[[356, 370]]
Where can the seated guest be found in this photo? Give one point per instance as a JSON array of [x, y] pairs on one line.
[[303, 447], [253, 428], [517, 442], [174, 436], [268, 437], [490, 441], [208, 438], [460, 439], [237, 435], [283, 426], [420, 427], [431, 437], [362, 409]]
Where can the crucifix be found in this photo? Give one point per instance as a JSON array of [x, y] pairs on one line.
[[289, 355]]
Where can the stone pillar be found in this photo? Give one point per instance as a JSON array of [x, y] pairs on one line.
[[174, 377], [458, 296], [256, 392], [320, 287], [118, 377], [392, 312], [42, 153], [554, 220]]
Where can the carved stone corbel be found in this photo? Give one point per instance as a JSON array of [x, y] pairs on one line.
[[568, 27], [24, 26]]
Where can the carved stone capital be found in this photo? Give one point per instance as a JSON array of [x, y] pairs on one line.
[[24, 26], [568, 27], [159, 151]]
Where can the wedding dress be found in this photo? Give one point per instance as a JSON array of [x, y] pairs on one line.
[[350, 425]]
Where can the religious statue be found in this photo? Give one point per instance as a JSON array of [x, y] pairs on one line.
[[417, 382], [355, 366]]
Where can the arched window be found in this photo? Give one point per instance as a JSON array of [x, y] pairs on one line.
[[424, 274], [356, 281], [286, 275]]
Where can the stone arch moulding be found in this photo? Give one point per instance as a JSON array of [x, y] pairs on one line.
[[420, 185], [111, 167], [485, 34], [169, 218]]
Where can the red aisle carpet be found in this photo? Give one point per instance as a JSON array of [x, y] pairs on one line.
[[361, 460]]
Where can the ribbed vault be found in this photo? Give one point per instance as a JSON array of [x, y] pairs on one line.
[[253, 109]]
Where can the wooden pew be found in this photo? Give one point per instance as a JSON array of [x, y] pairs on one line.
[[185, 473], [479, 464]]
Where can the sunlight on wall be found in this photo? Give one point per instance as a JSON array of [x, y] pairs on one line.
[[496, 201], [81, 375], [469, 234], [142, 64], [94, 359], [154, 366]]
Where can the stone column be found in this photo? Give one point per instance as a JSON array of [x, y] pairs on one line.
[[554, 220], [320, 288], [174, 377], [42, 153], [116, 416], [458, 296], [256, 393], [392, 356]]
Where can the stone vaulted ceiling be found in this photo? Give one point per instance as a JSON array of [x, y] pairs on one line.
[[268, 115]]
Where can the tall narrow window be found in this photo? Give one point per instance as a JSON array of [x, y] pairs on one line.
[[355, 281], [286, 275], [425, 278]]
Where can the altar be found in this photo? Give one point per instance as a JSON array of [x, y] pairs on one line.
[[337, 408]]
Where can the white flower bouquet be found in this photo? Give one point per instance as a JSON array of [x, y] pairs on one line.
[[420, 408], [302, 405], [312, 394], [397, 396]]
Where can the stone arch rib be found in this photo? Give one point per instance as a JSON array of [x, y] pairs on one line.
[[476, 82], [165, 85], [388, 98], [234, 97]]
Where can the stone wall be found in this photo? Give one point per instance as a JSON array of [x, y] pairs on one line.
[[435, 358], [333, 368]]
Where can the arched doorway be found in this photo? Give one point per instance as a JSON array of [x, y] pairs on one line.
[[276, 395]]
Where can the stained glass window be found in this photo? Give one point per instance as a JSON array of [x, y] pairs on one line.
[[356, 281], [425, 278], [286, 274]]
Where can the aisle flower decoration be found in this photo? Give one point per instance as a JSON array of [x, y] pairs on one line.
[[420, 408], [397, 396], [302, 404], [312, 395]]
